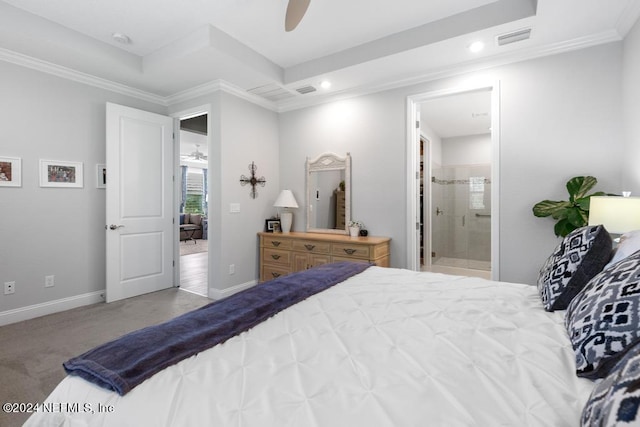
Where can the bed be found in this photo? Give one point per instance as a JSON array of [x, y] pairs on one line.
[[385, 347]]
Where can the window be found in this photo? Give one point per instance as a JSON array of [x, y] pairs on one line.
[[195, 190], [476, 192]]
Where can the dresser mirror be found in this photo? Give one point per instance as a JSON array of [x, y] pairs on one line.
[[329, 194]]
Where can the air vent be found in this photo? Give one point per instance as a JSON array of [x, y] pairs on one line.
[[514, 36], [272, 92], [305, 89]]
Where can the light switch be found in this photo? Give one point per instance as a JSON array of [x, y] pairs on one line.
[[234, 207]]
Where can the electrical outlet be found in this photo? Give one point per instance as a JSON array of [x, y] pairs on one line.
[[49, 281], [9, 287], [232, 268]]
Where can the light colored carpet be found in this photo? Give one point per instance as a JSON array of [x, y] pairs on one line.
[[32, 352], [188, 247]]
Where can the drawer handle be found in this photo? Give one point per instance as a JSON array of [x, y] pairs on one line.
[[276, 244], [275, 256], [309, 247], [350, 251], [275, 275]]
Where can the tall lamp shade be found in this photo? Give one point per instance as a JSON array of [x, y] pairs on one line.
[[286, 200], [618, 214]]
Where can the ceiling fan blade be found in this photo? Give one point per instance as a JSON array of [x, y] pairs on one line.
[[295, 11]]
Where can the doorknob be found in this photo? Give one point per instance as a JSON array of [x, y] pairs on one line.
[[115, 227]]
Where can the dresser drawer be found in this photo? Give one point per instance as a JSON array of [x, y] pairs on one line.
[[276, 257], [276, 243], [270, 272], [350, 250], [311, 246]]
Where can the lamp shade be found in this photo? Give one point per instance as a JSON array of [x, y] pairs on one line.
[[286, 200], [618, 214]]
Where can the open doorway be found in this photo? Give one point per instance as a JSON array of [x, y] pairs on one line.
[[194, 209], [458, 128], [453, 202]]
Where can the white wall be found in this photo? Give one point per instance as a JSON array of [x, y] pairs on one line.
[[466, 150], [560, 117], [53, 231], [631, 104]]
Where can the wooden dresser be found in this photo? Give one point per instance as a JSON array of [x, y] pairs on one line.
[[284, 253]]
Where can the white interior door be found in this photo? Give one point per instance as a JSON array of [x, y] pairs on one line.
[[139, 202]]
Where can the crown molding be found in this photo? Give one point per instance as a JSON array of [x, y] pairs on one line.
[[221, 85], [218, 85], [77, 76], [459, 69]]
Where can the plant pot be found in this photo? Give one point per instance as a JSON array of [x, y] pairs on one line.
[[354, 231]]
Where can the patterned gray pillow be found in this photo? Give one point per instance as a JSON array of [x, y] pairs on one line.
[[582, 254], [616, 399], [603, 321]]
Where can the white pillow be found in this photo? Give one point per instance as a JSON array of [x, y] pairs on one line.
[[629, 244]]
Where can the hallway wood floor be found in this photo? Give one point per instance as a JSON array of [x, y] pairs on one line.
[[193, 273]]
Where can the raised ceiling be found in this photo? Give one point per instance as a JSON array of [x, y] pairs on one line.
[[180, 49]]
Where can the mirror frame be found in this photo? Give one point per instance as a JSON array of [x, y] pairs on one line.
[[328, 162]]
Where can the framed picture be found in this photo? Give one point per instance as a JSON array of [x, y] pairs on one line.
[[10, 172], [54, 173], [101, 176], [272, 225]]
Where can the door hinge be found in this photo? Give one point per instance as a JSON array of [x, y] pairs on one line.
[[417, 124], [173, 263], [417, 175]]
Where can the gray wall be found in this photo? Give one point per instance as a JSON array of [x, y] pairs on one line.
[[631, 97], [52, 231], [560, 117], [242, 133]]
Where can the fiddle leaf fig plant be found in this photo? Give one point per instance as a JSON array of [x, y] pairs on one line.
[[573, 213]]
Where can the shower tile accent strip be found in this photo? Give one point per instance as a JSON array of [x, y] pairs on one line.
[[455, 181]]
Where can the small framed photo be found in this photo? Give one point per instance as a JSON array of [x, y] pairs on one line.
[[272, 225], [101, 176], [10, 172], [54, 173]]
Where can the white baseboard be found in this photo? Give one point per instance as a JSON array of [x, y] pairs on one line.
[[223, 293], [50, 307]]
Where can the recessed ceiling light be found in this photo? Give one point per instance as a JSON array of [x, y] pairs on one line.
[[121, 38], [476, 47], [325, 84]]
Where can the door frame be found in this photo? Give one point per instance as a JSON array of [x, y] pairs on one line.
[[413, 172], [178, 116]]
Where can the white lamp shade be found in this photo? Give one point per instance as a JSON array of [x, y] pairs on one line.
[[618, 214], [286, 200]]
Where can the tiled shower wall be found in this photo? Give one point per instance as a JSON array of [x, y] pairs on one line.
[[461, 217]]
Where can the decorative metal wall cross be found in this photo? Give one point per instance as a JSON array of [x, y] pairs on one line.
[[244, 180]]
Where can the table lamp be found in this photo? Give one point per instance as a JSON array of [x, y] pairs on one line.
[[618, 214], [286, 200]]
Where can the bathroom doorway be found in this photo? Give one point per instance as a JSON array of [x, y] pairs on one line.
[[456, 146]]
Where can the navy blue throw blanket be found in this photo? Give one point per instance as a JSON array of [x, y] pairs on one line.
[[122, 364]]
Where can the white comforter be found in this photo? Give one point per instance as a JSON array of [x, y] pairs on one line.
[[387, 347]]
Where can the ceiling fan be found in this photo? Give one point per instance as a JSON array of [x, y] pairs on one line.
[[295, 11], [196, 155]]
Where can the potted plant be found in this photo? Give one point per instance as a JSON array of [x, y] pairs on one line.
[[354, 228], [573, 213]]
